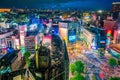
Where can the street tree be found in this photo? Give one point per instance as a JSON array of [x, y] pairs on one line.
[[114, 78], [79, 67], [93, 77], [26, 56], [112, 62], [118, 57], [72, 78], [72, 68], [79, 77], [119, 60]]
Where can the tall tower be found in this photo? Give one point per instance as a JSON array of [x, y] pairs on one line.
[[116, 7]]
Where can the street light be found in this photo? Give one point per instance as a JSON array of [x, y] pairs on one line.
[[99, 11]]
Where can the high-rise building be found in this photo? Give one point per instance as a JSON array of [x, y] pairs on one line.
[[116, 7], [95, 38], [117, 32], [68, 31], [115, 10], [10, 62], [52, 60]]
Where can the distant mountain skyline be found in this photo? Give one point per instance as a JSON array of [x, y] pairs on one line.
[[59, 4]]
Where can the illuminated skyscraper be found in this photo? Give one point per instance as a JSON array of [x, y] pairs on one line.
[[116, 7], [52, 62], [115, 10]]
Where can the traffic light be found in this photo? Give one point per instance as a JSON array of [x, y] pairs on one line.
[[109, 33]]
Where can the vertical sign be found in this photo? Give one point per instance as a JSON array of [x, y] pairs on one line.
[[72, 35], [22, 37]]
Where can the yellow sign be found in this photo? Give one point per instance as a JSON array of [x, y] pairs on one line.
[[17, 77], [66, 41]]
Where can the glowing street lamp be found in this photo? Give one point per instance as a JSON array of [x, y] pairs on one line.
[[99, 11]]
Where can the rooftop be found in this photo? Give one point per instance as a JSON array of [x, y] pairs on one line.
[[116, 3]]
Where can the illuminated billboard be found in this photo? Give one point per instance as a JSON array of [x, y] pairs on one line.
[[46, 41], [35, 21], [30, 44], [109, 24], [23, 50], [63, 34], [102, 41], [17, 42], [33, 27], [72, 35], [22, 36], [63, 25], [23, 28], [63, 31]]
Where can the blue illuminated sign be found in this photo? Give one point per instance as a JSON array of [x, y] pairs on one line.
[[72, 35], [102, 42], [72, 38], [94, 47], [35, 21], [22, 50]]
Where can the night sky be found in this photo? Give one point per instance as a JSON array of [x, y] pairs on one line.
[[59, 4]]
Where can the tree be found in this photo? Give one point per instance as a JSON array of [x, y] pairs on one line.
[[79, 67], [114, 78], [79, 77], [72, 78], [119, 57], [119, 60], [72, 68], [93, 77], [26, 56], [112, 62]]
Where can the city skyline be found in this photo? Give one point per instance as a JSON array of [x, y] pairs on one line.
[[61, 4]]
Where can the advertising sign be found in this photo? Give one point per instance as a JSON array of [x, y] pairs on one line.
[[22, 28], [94, 47], [63, 25], [72, 35], [30, 44], [35, 21], [22, 50], [17, 77], [17, 42], [33, 27], [46, 41], [108, 24], [22, 36], [102, 42]]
